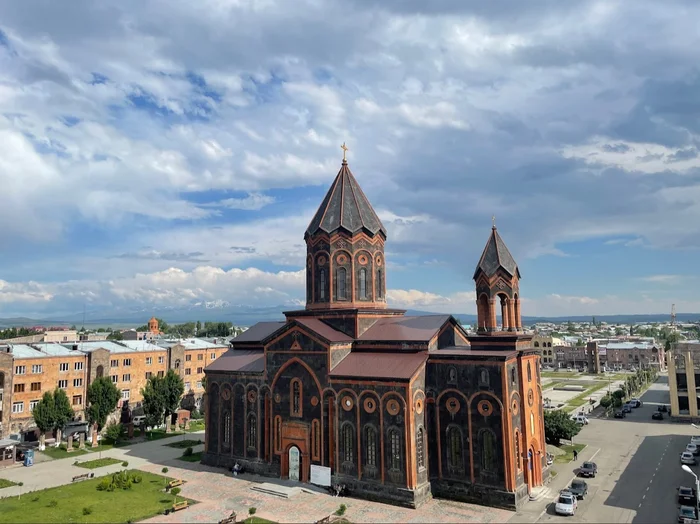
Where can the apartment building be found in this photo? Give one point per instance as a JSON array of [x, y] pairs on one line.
[[27, 371], [683, 379], [545, 344]]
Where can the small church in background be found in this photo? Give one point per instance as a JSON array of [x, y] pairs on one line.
[[396, 408]]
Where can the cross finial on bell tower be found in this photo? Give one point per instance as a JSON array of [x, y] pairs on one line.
[[345, 150], [493, 221]]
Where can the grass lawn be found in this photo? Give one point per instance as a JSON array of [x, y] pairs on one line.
[[580, 400], [101, 447], [559, 374], [568, 455], [257, 520], [67, 503], [184, 444], [6, 483], [98, 463], [158, 434], [60, 453], [196, 425], [194, 457]]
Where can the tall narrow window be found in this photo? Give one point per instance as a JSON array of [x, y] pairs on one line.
[[363, 283], [341, 283], [455, 460], [316, 440], [296, 397], [395, 447], [488, 451], [380, 287], [227, 429], [518, 460], [512, 376], [322, 285], [252, 431], [348, 443], [278, 433], [370, 446], [420, 451], [529, 373]]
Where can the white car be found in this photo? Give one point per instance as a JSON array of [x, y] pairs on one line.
[[688, 458], [566, 504], [693, 448], [695, 439], [581, 419]]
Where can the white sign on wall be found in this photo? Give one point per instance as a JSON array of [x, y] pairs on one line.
[[320, 475]]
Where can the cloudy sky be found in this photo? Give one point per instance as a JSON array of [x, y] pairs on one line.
[[160, 152]]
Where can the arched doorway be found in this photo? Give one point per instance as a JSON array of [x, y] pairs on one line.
[[294, 463]]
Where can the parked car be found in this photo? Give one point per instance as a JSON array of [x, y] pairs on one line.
[[657, 415], [581, 419], [693, 448], [566, 504], [662, 408], [627, 408], [635, 403], [619, 414], [686, 513], [588, 469], [688, 458], [578, 488], [687, 496], [550, 459], [695, 439]]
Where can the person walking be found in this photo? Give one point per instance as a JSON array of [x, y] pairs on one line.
[[575, 455]]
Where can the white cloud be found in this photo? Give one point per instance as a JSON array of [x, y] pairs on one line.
[[253, 202]]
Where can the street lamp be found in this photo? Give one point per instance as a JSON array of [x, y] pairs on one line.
[[696, 427], [687, 469]]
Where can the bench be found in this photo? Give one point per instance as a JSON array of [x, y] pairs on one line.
[[231, 519], [180, 505], [85, 476], [174, 483]]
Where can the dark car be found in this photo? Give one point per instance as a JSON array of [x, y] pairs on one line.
[[619, 414], [627, 408], [657, 416], [588, 469], [662, 408], [686, 513], [578, 488], [687, 496]]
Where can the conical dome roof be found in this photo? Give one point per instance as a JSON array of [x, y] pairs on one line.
[[496, 256]]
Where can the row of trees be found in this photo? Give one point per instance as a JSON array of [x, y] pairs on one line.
[[632, 385], [189, 329], [161, 398]]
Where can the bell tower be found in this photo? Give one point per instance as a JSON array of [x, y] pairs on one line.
[[497, 279], [345, 266]]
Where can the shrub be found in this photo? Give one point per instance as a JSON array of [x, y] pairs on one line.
[[104, 485], [63, 447], [136, 478], [53, 503], [35, 498], [188, 452], [606, 401], [251, 511], [164, 470], [341, 510], [125, 464], [87, 510], [175, 492]]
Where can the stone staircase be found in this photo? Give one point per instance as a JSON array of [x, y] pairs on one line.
[[539, 493]]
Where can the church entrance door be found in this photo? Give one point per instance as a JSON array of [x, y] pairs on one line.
[[294, 463]]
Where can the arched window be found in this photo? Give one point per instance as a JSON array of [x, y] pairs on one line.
[[278, 433], [316, 440], [420, 448], [2, 380], [340, 276], [380, 284], [518, 458], [537, 344], [363, 283], [348, 443], [529, 373], [177, 364], [252, 431], [455, 450], [296, 397], [99, 373], [512, 376], [484, 379], [227, 429], [322, 284], [488, 451], [370, 446], [395, 449], [549, 344]]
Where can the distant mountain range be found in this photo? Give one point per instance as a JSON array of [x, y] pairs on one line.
[[222, 311]]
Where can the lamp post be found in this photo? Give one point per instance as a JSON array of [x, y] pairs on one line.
[[687, 469]]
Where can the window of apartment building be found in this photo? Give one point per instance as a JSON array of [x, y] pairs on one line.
[[37, 368], [114, 363], [32, 404], [115, 379], [77, 400], [187, 386], [78, 366], [20, 370], [36, 386], [199, 384], [148, 375], [188, 371], [188, 358], [63, 384], [63, 366], [161, 374], [126, 377], [18, 407], [126, 362], [77, 382], [19, 388], [149, 361], [213, 356], [125, 394], [200, 370], [200, 357], [161, 360]]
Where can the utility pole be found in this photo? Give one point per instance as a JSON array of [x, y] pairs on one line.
[[673, 316]]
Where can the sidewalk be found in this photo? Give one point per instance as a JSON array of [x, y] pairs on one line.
[[533, 510]]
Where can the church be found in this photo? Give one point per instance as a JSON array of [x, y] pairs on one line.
[[397, 408]]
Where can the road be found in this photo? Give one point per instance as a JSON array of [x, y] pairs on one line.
[[638, 466]]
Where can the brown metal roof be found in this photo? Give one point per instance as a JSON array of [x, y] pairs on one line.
[[379, 365], [323, 329], [258, 332], [462, 352], [409, 329], [240, 361]]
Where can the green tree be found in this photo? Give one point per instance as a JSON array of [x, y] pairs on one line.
[[154, 401], [173, 389], [102, 398], [44, 415], [559, 425], [63, 412], [606, 401], [113, 432], [175, 492], [115, 335]]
